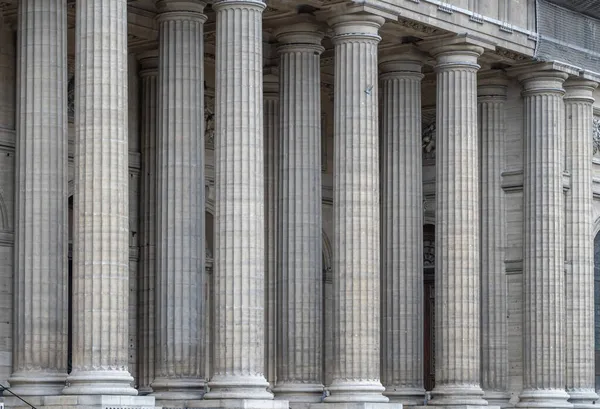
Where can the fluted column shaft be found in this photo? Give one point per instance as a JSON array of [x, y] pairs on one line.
[[402, 230], [580, 377], [239, 216], [299, 317], [146, 314], [457, 322], [101, 213], [180, 253], [356, 265], [40, 289], [491, 93], [271, 149], [543, 242]]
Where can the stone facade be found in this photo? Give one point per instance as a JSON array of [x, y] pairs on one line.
[[268, 205]]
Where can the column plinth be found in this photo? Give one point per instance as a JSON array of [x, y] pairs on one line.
[[356, 263], [146, 324], [239, 259], [299, 357], [580, 377], [457, 302], [101, 208], [271, 147], [40, 282], [491, 93], [543, 242], [180, 252], [402, 229]]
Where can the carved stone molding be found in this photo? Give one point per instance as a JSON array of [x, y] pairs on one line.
[[417, 26]]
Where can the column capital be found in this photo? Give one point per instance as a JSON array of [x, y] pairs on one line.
[[540, 82], [406, 60], [457, 52], [148, 63], [353, 27], [253, 4], [181, 10], [304, 34], [580, 89], [492, 84]]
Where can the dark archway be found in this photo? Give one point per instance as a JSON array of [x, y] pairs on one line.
[[429, 306]]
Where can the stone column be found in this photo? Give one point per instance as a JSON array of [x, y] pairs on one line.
[[100, 225], [271, 147], [491, 93], [180, 253], [356, 211], [402, 228], [580, 378], [146, 316], [300, 276], [457, 302], [238, 371], [543, 241], [40, 290]]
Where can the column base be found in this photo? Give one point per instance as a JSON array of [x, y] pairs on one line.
[[240, 388], [356, 391], [496, 398], [167, 389], [544, 398], [300, 395], [459, 407], [356, 405], [144, 390], [100, 383], [470, 396], [78, 402], [584, 399], [37, 383], [236, 404], [405, 396]]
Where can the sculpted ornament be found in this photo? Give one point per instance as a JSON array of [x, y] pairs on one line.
[[209, 121], [71, 99], [428, 138]]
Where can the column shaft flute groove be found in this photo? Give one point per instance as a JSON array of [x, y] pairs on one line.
[[402, 231], [101, 225], [494, 330], [457, 302], [580, 377], [40, 311], [149, 96], [543, 242], [299, 227], [239, 214], [356, 263], [180, 253]]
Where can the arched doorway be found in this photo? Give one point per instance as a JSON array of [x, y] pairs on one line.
[[429, 306]]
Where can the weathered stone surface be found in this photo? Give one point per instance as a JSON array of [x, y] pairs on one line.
[[300, 284], [101, 254], [40, 353], [180, 203]]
